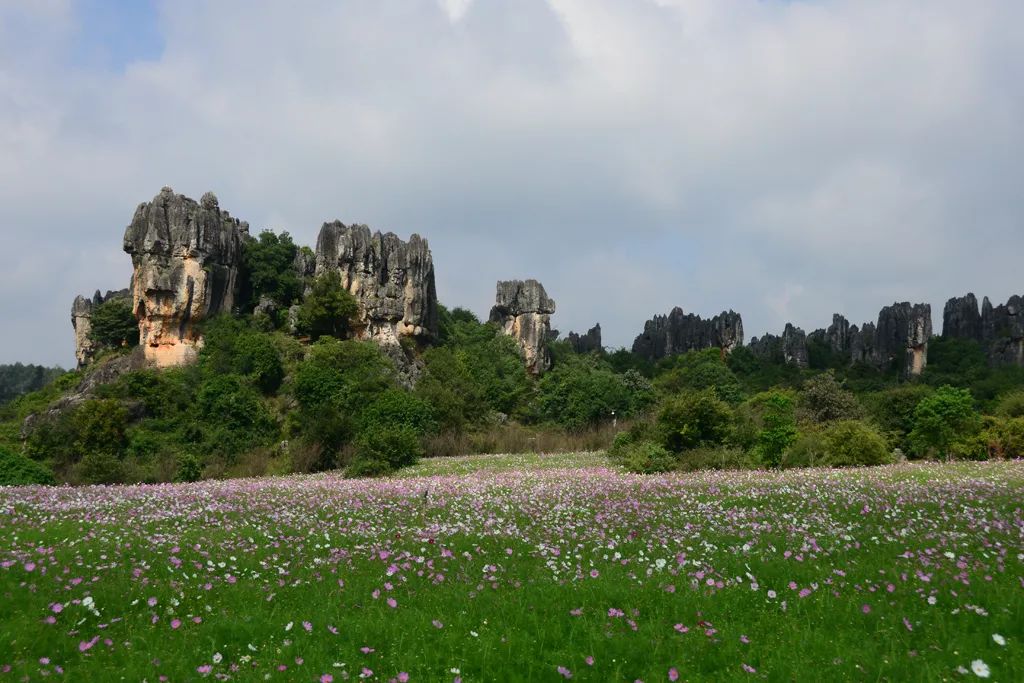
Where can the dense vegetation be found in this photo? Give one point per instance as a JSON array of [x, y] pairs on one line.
[[263, 399], [17, 379]]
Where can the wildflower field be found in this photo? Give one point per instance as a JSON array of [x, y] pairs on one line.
[[519, 568]]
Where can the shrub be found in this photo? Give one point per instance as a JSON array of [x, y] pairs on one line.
[[699, 370], [852, 442], [582, 391], [693, 419], [113, 324], [810, 449], [647, 457], [823, 399], [779, 427], [941, 419], [717, 458], [17, 470], [328, 309], [1011, 405], [893, 410], [100, 427], [391, 446], [99, 467], [399, 408], [189, 468]]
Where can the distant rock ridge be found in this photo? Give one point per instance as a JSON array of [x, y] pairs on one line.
[[186, 256], [899, 339], [81, 320], [586, 343], [679, 332], [998, 329], [523, 311]]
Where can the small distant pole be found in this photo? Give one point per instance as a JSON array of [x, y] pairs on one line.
[[615, 421]]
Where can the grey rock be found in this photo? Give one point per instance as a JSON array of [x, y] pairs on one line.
[[680, 332], [586, 343], [789, 348], [838, 334], [393, 282], [901, 337], [265, 306], [81, 321], [523, 311], [961, 318], [1002, 329], [186, 257], [862, 343]]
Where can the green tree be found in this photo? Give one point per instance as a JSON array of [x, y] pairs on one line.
[[852, 442], [113, 324], [698, 370], [693, 419], [328, 309], [779, 427], [583, 390], [17, 470], [942, 419], [268, 265], [823, 399]]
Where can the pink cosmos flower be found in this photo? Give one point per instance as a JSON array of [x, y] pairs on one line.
[[392, 603], [565, 672], [403, 677], [589, 660], [57, 608], [749, 669], [204, 669], [673, 675], [308, 626], [865, 608], [175, 623], [437, 624], [327, 678]]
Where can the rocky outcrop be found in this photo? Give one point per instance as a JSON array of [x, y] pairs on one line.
[[961, 318], [862, 343], [838, 334], [186, 256], [790, 348], [680, 332], [586, 343], [523, 310], [81, 321], [901, 337], [392, 280], [998, 329]]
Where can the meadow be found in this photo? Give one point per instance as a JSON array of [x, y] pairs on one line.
[[521, 568]]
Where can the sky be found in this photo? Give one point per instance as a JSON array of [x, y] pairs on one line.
[[785, 159]]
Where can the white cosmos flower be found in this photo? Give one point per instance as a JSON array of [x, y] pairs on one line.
[[980, 668], [289, 626], [999, 639], [217, 658]]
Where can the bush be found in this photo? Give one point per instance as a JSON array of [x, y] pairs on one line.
[[693, 419], [893, 410], [851, 442], [113, 324], [1011, 405], [99, 467], [699, 370], [941, 419], [189, 468], [398, 408], [717, 458], [823, 399], [810, 449], [646, 457], [328, 309], [390, 447], [17, 470], [779, 426], [100, 427], [583, 391]]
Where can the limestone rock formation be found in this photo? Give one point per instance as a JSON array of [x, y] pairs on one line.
[[680, 332], [186, 257], [1002, 329], [901, 337], [838, 334], [862, 343], [961, 318], [392, 280], [586, 343], [998, 329], [81, 321], [790, 348], [523, 310]]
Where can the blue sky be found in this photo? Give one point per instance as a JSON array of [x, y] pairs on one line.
[[784, 159]]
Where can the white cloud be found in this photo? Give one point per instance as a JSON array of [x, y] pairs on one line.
[[785, 159]]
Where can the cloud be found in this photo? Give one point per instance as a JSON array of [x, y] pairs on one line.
[[784, 159]]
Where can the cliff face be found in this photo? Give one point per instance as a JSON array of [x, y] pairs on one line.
[[680, 332], [790, 348], [901, 336], [81, 321], [523, 310], [586, 343], [186, 257], [999, 329], [392, 280]]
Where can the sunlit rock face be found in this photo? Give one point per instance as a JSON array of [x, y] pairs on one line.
[[81, 321], [680, 332], [186, 256], [523, 310], [393, 282]]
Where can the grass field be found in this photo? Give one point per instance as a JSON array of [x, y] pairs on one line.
[[521, 568]]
